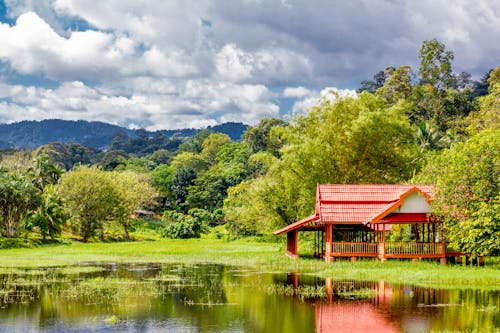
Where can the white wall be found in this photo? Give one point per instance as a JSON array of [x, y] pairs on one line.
[[414, 203]]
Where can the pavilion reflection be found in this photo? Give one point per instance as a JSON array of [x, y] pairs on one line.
[[360, 306]]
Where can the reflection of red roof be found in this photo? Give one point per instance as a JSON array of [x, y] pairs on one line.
[[351, 317], [362, 204]]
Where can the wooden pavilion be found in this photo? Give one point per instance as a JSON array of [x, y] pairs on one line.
[[353, 221]]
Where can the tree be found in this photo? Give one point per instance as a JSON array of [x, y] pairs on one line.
[[435, 65], [211, 146], [49, 216], [162, 178], [378, 81], [488, 115], [209, 188], [467, 177], [182, 179], [45, 171], [348, 141], [135, 192], [397, 85], [480, 88], [428, 137], [90, 198], [18, 196], [194, 144], [259, 137]]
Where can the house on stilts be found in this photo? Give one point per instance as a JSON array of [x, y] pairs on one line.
[[358, 221]]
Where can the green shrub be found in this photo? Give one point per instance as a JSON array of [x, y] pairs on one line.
[[179, 225]]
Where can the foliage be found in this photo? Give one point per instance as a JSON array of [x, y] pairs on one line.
[[259, 137], [68, 155], [480, 234], [488, 115], [467, 177], [90, 198], [378, 81], [397, 86], [45, 171], [49, 217], [211, 146], [339, 142], [429, 138], [435, 65], [18, 196], [135, 192], [183, 226]]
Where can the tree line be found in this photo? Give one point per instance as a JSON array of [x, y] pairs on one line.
[[429, 125]]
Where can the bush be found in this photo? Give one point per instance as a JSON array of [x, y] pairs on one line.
[[14, 243], [182, 226]]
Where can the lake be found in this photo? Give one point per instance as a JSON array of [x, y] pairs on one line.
[[216, 298]]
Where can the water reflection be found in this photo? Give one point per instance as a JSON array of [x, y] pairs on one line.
[[216, 298]]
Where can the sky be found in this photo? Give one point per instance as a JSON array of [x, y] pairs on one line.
[[182, 63]]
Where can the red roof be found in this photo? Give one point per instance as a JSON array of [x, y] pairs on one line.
[[360, 204], [363, 203]]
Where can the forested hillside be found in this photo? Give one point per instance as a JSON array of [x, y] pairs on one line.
[[94, 134], [424, 125]]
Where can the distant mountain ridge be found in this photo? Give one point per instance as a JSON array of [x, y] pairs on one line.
[[95, 134]]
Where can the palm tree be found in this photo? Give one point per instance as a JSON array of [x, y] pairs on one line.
[[430, 138]]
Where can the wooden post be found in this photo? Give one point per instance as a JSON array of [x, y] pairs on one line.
[[382, 257], [443, 245], [291, 244], [329, 289], [328, 243]]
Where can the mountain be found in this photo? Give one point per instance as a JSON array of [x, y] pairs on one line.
[[31, 134]]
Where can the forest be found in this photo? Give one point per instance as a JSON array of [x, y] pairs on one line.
[[425, 125]]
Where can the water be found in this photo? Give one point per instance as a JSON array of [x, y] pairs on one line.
[[216, 298]]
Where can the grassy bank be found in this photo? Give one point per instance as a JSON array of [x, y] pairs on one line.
[[266, 257]]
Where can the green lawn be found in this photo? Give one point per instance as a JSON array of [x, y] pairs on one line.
[[266, 257]]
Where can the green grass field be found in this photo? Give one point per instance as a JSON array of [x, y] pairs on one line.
[[265, 257]]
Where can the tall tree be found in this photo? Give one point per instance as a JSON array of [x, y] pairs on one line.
[[435, 65]]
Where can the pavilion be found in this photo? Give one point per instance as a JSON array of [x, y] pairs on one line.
[[353, 221]]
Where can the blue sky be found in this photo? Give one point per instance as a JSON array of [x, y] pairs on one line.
[[173, 64]]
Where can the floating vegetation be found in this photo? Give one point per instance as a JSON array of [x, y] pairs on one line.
[[109, 290], [364, 293], [303, 292]]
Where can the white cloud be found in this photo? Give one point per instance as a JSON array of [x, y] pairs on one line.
[[31, 46], [265, 65], [198, 104], [329, 94], [298, 92], [191, 63]]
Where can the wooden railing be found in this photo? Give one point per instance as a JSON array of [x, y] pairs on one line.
[[390, 249], [408, 248], [354, 248]]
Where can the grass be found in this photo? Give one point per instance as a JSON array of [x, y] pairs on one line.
[[264, 257]]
